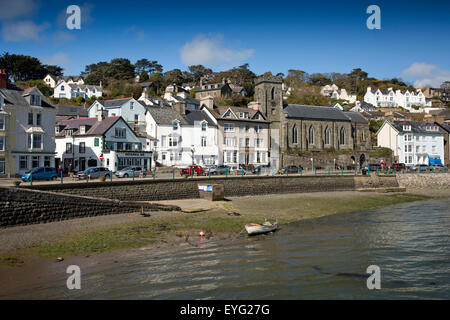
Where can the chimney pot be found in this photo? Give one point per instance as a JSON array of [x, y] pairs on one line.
[[101, 114]]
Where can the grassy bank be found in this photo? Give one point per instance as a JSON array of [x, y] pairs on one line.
[[227, 217]]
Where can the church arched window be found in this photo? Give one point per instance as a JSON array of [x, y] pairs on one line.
[[342, 136], [327, 136], [294, 134], [311, 135], [272, 93]]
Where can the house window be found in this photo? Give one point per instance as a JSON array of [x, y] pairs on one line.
[[173, 141], [30, 118], [2, 123], [23, 162], [342, 136], [68, 147], [2, 143], [121, 133], [82, 129], [257, 129], [2, 166], [327, 136], [136, 119], [163, 141], [311, 135], [203, 126], [38, 119], [37, 141], [35, 162], [203, 142], [82, 147], [228, 127], [96, 142], [294, 134], [228, 141], [258, 143], [235, 157], [175, 125], [247, 142], [46, 161]]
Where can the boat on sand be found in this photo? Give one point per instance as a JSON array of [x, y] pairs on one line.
[[265, 227]]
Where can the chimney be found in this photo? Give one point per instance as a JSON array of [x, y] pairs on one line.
[[180, 107], [207, 102], [101, 114], [101, 84], [3, 79]]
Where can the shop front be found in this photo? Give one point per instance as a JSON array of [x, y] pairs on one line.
[[118, 160]]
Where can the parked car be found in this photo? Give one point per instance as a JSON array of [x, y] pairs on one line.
[[195, 169], [398, 166], [128, 172], [439, 168], [291, 169], [372, 167], [94, 173], [261, 169], [41, 173], [220, 170], [421, 168]]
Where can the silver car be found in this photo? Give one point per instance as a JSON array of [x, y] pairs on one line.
[[128, 172]]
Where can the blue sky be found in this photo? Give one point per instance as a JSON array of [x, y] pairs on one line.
[[314, 36]]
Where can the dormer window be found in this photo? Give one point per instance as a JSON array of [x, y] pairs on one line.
[[62, 88], [175, 125], [406, 127], [204, 126], [68, 133], [82, 129]]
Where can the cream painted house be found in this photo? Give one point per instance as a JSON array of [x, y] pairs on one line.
[[27, 134]]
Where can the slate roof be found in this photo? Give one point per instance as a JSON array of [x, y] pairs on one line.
[[83, 87], [96, 127], [74, 111], [219, 86], [314, 112], [218, 113], [416, 127], [355, 117], [17, 98], [165, 116], [367, 106], [445, 126], [114, 103]]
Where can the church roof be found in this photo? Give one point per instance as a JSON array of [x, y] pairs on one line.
[[314, 112]]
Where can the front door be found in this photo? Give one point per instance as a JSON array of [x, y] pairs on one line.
[[82, 164]]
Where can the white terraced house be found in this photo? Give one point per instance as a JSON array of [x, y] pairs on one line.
[[390, 98], [182, 136], [413, 142], [52, 81], [72, 90]]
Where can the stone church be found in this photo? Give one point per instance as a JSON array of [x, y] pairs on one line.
[[306, 128]]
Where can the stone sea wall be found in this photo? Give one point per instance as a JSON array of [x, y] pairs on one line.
[[423, 180]]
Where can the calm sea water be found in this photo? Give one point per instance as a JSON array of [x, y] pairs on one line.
[[409, 242]]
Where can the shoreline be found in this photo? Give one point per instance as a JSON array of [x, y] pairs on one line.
[[163, 232]]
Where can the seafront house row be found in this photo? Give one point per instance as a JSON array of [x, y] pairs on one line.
[[412, 142], [413, 101], [82, 143], [27, 130]]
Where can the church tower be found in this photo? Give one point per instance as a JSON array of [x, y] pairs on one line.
[[269, 95]]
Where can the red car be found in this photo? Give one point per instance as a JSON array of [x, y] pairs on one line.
[[192, 169], [398, 166]]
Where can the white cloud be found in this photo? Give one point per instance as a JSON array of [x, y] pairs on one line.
[[210, 52], [426, 75], [22, 31], [14, 9], [60, 58], [61, 37]]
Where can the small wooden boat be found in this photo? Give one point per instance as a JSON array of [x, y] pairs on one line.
[[255, 228]]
